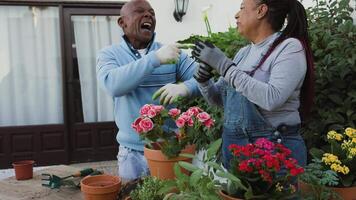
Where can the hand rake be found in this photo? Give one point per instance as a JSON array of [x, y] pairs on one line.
[[53, 181]]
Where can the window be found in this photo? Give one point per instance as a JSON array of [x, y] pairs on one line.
[[30, 66]]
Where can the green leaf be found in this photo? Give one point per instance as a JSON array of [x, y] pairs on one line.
[[187, 155], [215, 166], [213, 149], [177, 171], [188, 166], [316, 153], [195, 177]]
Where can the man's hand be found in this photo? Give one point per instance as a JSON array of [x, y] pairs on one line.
[[203, 73], [209, 54], [168, 54], [170, 92]]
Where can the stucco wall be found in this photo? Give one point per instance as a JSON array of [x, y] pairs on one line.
[[221, 16]]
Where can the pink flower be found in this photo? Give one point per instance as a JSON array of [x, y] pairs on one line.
[[190, 122], [209, 123], [158, 108], [194, 111], [174, 112], [151, 113], [135, 125], [264, 144], [202, 117], [180, 122], [146, 124], [144, 110]]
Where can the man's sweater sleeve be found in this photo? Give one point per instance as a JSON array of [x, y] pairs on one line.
[[119, 80], [287, 73], [185, 71]]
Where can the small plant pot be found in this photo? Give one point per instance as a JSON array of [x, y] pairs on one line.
[[23, 169], [100, 187], [225, 196]]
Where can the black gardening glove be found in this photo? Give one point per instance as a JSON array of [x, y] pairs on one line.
[[209, 54], [203, 73]]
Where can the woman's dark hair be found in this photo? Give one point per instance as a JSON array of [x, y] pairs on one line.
[[297, 27]]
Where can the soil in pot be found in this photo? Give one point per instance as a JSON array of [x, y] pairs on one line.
[[100, 187], [23, 169]]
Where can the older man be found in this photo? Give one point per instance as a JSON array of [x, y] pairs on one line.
[[132, 71]]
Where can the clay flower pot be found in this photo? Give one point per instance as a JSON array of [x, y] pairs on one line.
[[162, 167], [23, 169], [100, 187], [346, 193], [225, 196]]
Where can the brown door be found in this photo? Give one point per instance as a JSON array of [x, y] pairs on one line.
[[51, 109], [92, 131]]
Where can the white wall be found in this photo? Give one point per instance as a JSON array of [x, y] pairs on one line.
[[221, 16]]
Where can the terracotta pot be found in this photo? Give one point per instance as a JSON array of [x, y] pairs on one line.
[[225, 196], [162, 167], [100, 187], [23, 169], [348, 193]]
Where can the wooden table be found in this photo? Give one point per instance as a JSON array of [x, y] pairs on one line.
[[11, 189]]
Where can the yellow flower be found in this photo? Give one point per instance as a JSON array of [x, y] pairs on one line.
[[279, 187], [333, 135], [338, 168], [329, 159], [350, 132]]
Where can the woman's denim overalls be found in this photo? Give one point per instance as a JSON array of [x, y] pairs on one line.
[[244, 124]]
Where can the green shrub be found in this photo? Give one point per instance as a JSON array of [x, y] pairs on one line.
[[148, 189], [333, 40]]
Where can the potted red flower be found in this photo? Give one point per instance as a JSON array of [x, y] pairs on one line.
[[164, 144], [254, 169]]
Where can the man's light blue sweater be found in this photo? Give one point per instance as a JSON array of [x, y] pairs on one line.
[[131, 80]]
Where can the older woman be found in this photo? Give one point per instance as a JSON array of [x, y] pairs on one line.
[[262, 88]]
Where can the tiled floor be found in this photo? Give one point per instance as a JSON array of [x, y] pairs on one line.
[[109, 167]]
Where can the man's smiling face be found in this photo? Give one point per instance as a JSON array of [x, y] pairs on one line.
[[138, 22]]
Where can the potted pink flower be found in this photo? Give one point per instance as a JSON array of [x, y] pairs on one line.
[[164, 143]]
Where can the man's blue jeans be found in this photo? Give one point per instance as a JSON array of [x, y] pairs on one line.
[[131, 164]]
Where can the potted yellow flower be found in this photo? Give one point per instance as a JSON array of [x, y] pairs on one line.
[[335, 167]]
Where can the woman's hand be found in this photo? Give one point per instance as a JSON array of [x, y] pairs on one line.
[[209, 54]]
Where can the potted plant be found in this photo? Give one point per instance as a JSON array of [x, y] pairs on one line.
[[254, 172], [338, 158], [148, 189], [201, 184], [163, 144]]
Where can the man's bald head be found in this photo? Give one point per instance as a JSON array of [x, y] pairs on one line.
[[138, 21], [129, 6]]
